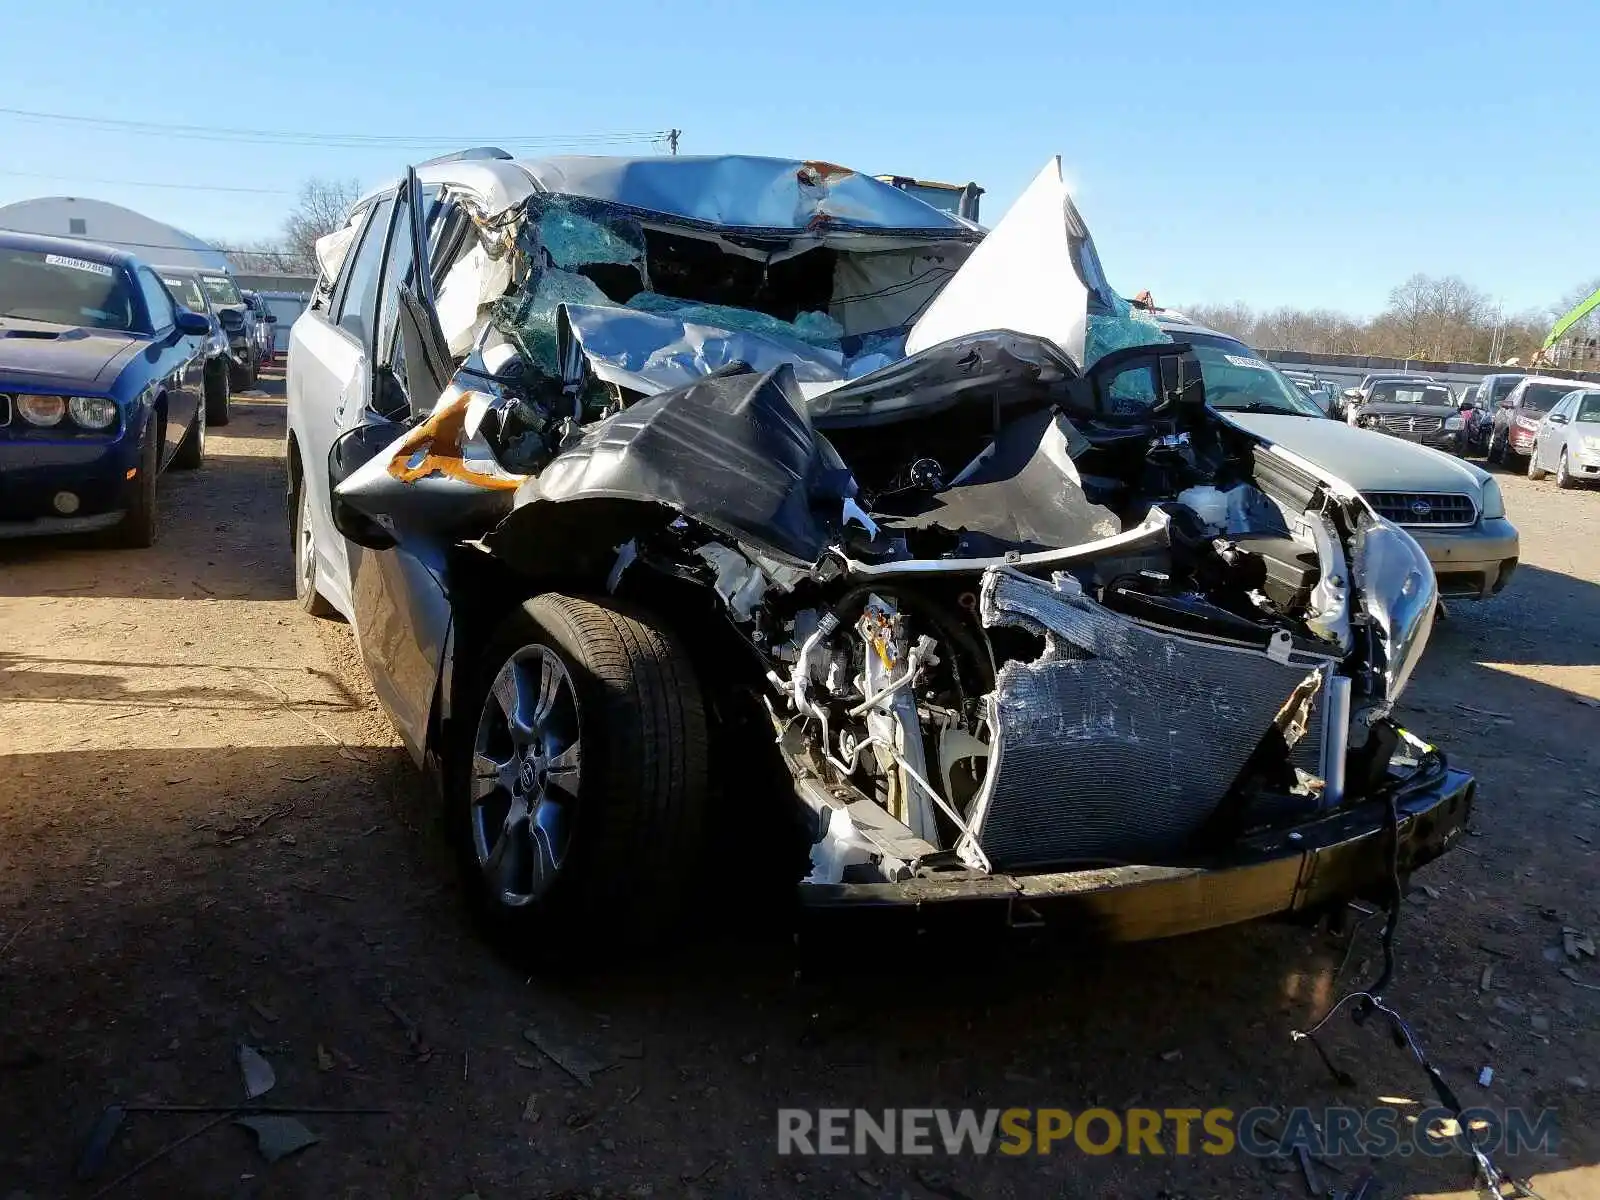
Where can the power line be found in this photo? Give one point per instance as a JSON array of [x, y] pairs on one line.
[[122, 243], [279, 137], [147, 183]]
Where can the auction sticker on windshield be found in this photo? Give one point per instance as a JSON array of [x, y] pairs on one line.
[[78, 264], [1240, 360]]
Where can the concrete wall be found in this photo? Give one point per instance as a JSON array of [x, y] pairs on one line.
[[1348, 369], [287, 307], [291, 284]]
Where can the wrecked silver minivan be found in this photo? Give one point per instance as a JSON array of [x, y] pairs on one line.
[[673, 469]]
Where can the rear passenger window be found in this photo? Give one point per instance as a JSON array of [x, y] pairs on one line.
[[359, 305]]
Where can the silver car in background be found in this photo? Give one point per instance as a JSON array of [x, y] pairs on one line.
[[1568, 441]]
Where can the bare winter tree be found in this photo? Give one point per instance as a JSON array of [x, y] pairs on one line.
[[320, 209], [1435, 318], [263, 257], [1237, 318]]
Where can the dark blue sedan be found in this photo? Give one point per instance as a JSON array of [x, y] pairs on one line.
[[101, 389]]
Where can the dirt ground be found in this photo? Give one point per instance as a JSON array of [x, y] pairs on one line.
[[209, 836]]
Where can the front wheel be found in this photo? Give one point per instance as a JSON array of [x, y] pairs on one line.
[[305, 558], [579, 780], [138, 527], [1564, 479], [1535, 471]]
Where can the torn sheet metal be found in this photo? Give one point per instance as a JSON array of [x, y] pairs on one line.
[[734, 451], [1006, 368], [1120, 741], [1025, 496], [744, 192], [1036, 272]]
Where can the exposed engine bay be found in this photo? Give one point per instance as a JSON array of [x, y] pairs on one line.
[[1012, 634]]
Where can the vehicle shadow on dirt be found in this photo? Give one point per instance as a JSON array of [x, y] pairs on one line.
[[304, 902], [248, 896], [1544, 617], [208, 545], [43, 678]]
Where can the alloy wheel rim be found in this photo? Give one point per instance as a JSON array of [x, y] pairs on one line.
[[305, 546], [526, 770]]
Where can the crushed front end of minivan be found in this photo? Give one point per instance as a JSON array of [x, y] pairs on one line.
[[1025, 622]]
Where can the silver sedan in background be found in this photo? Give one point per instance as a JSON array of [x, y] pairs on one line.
[[1568, 441]]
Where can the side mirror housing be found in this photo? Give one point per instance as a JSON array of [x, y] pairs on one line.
[[1351, 393], [351, 451], [1558, 419], [378, 503], [271, 318], [192, 324]]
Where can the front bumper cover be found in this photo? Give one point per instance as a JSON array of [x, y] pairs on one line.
[[92, 467], [1305, 868], [1472, 563]]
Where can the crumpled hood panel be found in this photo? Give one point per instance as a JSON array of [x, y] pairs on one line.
[[734, 451], [1037, 272]]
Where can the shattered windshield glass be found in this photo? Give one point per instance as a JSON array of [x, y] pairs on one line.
[[657, 310]]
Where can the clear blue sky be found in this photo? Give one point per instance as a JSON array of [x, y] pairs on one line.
[[1273, 152]]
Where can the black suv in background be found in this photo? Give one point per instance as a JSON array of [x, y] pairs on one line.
[[1416, 410], [237, 320], [186, 290]]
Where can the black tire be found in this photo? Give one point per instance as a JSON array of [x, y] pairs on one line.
[[138, 527], [1564, 479], [635, 816], [219, 393], [192, 452], [1535, 471], [1497, 447], [303, 542]]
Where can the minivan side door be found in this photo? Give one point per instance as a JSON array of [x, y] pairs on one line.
[[402, 611], [328, 383]]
